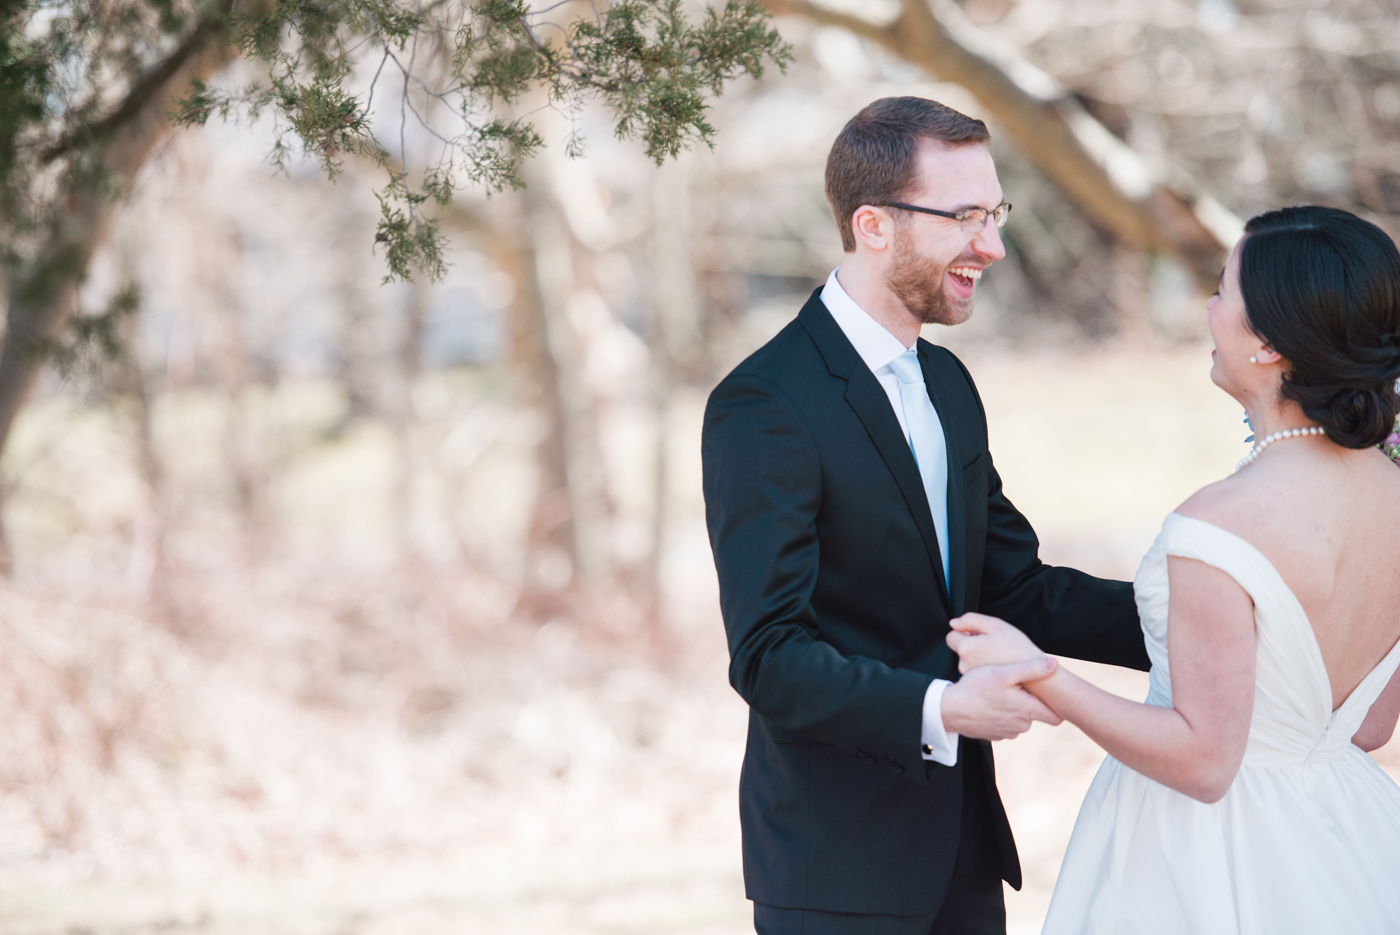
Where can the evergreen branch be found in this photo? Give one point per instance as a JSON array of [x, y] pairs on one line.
[[642, 59]]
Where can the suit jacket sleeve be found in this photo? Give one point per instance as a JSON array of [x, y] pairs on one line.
[[763, 487], [1065, 611]]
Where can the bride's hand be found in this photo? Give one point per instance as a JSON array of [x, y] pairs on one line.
[[980, 640]]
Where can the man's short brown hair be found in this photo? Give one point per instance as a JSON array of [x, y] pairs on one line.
[[875, 157]]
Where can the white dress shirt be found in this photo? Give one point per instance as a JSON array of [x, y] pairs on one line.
[[877, 347]]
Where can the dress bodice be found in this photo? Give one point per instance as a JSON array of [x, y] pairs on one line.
[[1306, 839], [1293, 721]]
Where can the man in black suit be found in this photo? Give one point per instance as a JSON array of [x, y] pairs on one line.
[[853, 511]]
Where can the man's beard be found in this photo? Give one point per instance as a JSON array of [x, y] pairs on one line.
[[919, 285]]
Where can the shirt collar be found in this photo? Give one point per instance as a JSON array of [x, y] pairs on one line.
[[875, 345]]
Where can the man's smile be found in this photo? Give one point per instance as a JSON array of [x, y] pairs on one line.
[[964, 279]]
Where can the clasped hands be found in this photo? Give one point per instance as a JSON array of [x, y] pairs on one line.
[[997, 660]]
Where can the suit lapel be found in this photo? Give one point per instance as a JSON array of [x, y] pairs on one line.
[[865, 395], [941, 392]]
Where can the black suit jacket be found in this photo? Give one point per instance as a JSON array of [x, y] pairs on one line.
[[836, 612]]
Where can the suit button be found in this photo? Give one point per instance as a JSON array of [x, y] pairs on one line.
[[867, 757], [894, 767]]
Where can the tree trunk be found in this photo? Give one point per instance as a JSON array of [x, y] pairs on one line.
[[557, 251], [359, 367], [1095, 169], [44, 293], [550, 557], [235, 367], [147, 568], [675, 344], [405, 416]]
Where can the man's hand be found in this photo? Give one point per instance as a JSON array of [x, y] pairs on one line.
[[989, 702], [980, 640]]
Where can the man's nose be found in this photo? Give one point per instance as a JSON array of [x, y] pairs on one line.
[[988, 243]]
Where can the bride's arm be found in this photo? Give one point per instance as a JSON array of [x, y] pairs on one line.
[[1195, 747], [1375, 731]]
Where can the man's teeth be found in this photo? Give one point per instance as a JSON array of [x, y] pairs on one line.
[[967, 272]]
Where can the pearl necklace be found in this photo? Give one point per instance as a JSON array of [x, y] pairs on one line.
[[1259, 446]]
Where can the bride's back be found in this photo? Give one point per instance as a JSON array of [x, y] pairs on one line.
[[1328, 519]]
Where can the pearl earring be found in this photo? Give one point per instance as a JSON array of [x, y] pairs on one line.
[[1253, 359]]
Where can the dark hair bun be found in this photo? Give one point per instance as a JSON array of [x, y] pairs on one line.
[[1353, 399], [1322, 286], [1356, 417]]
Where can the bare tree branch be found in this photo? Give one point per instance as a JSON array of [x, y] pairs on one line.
[[826, 17], [1096, 170], [209, 29]]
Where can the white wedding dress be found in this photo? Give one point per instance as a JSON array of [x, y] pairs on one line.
[[1306, 841]]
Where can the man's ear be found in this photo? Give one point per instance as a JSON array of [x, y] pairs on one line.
[[873, 227]]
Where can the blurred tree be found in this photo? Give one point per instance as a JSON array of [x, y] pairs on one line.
[[89, 89], [1096, 170]]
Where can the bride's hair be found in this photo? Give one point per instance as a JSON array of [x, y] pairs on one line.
[[1322, 287]]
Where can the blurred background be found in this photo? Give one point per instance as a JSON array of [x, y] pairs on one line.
[[338, 606]]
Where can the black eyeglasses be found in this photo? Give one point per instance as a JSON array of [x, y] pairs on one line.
[[971, 221]]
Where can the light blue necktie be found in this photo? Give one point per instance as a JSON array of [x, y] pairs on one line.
[[927, 442]]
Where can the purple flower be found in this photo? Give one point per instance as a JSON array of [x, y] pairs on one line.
[[1393, 439]]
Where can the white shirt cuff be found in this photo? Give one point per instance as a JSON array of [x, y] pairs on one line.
[[938, 743]]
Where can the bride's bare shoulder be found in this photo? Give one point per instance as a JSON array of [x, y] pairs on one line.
[[1227, 503]]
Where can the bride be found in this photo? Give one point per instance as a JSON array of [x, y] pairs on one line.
[[1237, 798]]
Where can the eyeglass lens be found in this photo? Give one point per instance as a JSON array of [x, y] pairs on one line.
[[975, 219]]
